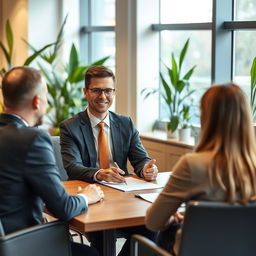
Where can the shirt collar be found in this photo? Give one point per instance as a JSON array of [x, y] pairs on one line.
[[25, 122], [95, 121]]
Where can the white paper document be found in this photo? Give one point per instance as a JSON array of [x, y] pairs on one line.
[[151, 197], [133, 184]]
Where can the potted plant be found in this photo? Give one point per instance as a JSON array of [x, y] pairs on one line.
[[64, 82], [185, 126], [65, 88], [175, 91]]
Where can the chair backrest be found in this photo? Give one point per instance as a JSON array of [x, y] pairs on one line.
[[141, 246], [57, 153], [221, 229], [50, 239]]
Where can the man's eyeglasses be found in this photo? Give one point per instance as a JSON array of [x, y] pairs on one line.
[[99, 91]]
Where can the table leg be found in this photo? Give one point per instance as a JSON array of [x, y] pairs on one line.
[[109, 242]]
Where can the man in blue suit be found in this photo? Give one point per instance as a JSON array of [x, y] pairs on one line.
[[28, 172], [79, 141]]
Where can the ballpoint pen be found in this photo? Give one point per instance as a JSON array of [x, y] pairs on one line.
[[117, 166]]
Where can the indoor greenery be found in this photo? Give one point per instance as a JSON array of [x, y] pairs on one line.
[[175, 90], [64, 82], [253, 88], [65, 85]]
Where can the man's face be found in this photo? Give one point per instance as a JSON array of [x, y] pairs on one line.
[[43, 103], [99, 102]]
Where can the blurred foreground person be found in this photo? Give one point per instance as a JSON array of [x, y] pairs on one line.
[[222, 168], [28, 174]]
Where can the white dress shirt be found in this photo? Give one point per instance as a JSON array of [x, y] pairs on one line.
[[95, 130]]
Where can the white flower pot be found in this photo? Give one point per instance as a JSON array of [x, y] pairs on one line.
[[185, 134], [173, 135]]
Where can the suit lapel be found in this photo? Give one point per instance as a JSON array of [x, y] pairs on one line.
[[88, 137], [8, 118], [116, 138]]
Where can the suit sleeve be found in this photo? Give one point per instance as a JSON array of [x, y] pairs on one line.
[[137, 153], [43, 177], [72, 159]]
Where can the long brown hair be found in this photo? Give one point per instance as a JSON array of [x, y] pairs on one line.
[[227, 131]]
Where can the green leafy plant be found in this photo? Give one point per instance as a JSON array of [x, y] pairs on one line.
[[64, 82], [8, 50], [65, 87], [253, 88], [175, 90]]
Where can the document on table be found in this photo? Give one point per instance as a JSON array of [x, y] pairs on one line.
[[151, 197], [133, 184]]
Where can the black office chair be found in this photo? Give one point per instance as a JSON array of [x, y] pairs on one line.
[[212, 229], [142, 246], [58, 157], [221, 229], [50, 239]]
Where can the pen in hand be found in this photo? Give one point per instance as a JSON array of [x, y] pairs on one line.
[[116, 165]]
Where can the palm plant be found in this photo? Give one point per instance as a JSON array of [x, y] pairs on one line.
[[8, 50], [175, 90], [64, 82], [65, 87]]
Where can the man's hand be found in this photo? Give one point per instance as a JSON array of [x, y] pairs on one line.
[[178, 217], [112, 174], [150, 170], [93, 193]]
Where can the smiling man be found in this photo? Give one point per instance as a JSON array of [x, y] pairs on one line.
[[96, 144], [81, 136]]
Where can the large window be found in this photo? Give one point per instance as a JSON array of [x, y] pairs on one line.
[[222, 35], [178, 24], [243, 41], [97, 18]]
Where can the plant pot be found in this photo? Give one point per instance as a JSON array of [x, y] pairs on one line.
[[185, 134], [173, 135]]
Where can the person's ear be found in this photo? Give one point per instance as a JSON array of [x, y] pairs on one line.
[[36, 102], [85, 93]]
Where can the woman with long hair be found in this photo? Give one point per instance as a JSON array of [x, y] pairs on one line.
[[223, 166]]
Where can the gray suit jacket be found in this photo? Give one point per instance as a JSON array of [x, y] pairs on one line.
[[29, 176], [78, 146]]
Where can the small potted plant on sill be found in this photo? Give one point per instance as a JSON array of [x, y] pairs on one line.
[[185, 126], [175, 91]]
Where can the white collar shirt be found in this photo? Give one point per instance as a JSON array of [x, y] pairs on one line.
[[95, 129]]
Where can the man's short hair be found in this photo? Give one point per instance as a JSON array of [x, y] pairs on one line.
[[18, 84], [97, 72]]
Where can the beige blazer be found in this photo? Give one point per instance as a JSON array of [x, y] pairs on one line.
[[189, 181]]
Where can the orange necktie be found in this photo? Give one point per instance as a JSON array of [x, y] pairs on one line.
[[103, 147]]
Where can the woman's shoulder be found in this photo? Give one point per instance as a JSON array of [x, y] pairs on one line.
[[194, 161]]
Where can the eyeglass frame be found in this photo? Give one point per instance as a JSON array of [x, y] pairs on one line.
[[99, 91]]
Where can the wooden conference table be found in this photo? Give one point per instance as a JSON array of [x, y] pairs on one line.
[[118, 210]]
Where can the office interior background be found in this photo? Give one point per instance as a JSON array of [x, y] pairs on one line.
[[139, 36]]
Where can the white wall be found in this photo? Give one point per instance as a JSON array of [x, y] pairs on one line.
[[137, 60], [44, 19]]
